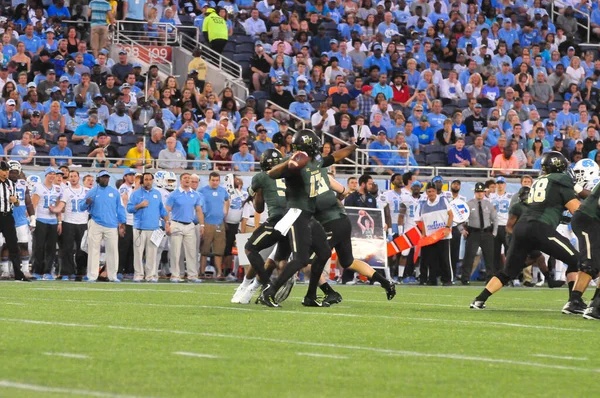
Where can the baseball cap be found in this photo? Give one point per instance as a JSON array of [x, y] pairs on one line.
[[571, 48], [553, 110], [365, 89], [381, 132], [424, 118], [537, 139], [377, 47], [103, 173], [11, 102], [125, 85], [302, 78], [437, 178], [129, 171], [500, 180], [579, 142], [50, 72], [71, 105], [137, 65], [64, 79], [479, 187], [49, 170], [550, 123], [31, 85], [49, 30], [333, 41], [279, 83], [122, 52], [417, 183], [558, 138], [301, 92], [477, 105], [36, 113], [324, 53], [98, 95], [54, 89]]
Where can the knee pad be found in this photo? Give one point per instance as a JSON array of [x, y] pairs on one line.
[[503, 277], [588, 267]]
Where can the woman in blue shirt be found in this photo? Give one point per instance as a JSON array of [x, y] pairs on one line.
[[278, 69], [412, 74], [186, 126]]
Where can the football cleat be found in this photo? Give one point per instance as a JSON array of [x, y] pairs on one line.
[[284, 291], [477, 305], [554, 284], [592, 313], [574, 307], [248, 293], [238, 292], [267, 298], [332, 298], [390, 291], [313, 302]]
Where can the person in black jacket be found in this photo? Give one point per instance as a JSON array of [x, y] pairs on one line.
[[361, 197]]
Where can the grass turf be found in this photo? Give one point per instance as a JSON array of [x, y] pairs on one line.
[[426, 342]]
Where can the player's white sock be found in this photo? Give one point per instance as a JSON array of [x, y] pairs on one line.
[[4, 267], [247, 282], [255, 284], [25, 265]]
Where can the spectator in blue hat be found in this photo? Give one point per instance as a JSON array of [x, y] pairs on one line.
[[10, 119], [301, 108], [377, 59]]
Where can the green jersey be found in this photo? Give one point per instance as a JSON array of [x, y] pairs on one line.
[[328, 208], [589, 206], [273, 193], [305, 185], [547, 198], [517, 210]]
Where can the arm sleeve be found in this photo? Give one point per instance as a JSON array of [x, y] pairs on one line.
[[328, 161], [133, 201]]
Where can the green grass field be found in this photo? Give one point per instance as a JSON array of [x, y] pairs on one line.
[[106, 340]]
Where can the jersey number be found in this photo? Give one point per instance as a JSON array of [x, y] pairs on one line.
[[317, 186], [49, 201], [75, 205], [280, 183], [538, 191]]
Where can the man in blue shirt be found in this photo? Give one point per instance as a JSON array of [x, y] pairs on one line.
[[58, 10], [301, 108], [383, 87], [262, 142], [185, 206], [147, 208], [268, 123], [459, 156], [508, 34], [10, 119], [32, 43], [107, 213], [217, 207], [505, 77], [240, 159], [61, 153], [380, 144], [491, 133], [377, 59], [134, 12], [424, 133], [89, 129]]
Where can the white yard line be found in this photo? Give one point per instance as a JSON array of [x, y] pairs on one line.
[[9, 303], [323, 312], [311, 354], [66, 355], [58, 390], [196, 355], [560, 357], [381, 351]]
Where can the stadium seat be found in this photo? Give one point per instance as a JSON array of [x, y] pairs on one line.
[[430, 149], [243, 39], [122, 151], [463, 104], [260, 95], [244, 48], [230, 46], [469, 140], [240, 57], [436, 159], [420, 159], [556, 104], [544, 113], [79, 150]]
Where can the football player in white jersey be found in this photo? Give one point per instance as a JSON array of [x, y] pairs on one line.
[[165, 187], [409, 212], [20, 214], [126, 242], [74, 261], [393, 198], [501, 201], [452, 195]]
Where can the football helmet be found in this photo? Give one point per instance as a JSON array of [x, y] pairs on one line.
[[554, 162]]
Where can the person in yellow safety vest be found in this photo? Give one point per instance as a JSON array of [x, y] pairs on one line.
[[215, 30]]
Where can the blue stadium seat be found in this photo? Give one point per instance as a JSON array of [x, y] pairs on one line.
[[420, 159], [260, 95], [122, 150], [437, 159], [430, 149]]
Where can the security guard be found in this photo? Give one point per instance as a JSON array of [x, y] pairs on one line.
[[480, 232], [215, 30]]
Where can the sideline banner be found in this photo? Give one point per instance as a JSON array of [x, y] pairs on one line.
[[368, 236]]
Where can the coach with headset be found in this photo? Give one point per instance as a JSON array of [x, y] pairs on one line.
[[107, 214]]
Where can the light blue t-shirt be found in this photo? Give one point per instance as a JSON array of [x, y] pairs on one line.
[[135, 9], [214, 200]]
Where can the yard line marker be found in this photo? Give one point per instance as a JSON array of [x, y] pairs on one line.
[[85, 289], [325, 313], [8, 303], [58, 390], [310, 354], [382, 351], [560, 357], [66, 355], [196, 355]]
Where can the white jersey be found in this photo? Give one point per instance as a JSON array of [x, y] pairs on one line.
[[48, 197], [502, 204], [235, 213], [73, 198], [248, 214], [164, 194], [126, 189], [393, 199], [412, 209]]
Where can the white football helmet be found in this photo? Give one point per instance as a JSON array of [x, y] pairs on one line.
[[159, 179], [14, 165], [170, 181], [585, 171], [32, 181]]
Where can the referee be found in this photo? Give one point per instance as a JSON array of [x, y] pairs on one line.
[[8, 199]]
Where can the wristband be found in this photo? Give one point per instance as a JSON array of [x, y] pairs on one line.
[[201, 225], [578, 188]]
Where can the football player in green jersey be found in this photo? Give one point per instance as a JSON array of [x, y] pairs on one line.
[[550, 194], [586, 225], [306, 235]]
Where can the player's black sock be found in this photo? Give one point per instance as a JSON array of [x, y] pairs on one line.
[[576, 296], [288, 272], [571, 284], [485, 294], [376, 277], [259, 266], [325, 288], [316, 270], [596, 294]]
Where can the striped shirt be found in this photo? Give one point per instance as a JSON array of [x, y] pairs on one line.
[[7, 188], [99, 10]]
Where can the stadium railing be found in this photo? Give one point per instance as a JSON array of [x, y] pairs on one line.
[[301, 121], [555, 12]]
